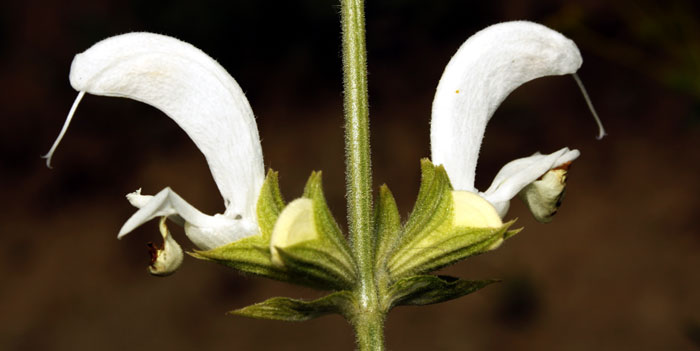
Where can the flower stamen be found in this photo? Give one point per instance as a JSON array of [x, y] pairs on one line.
[[63, 130], [601, 130]]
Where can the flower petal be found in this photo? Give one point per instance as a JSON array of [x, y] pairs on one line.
[[483, 72], [294, 225], [166, 260], [517, 174], [138, 200], [192, 89], [206, 232], [473, 211], [544, 196]]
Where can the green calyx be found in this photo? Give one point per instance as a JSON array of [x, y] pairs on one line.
[[307, 240], [314, 253], [252, 254], [300, 242], [444, 227]]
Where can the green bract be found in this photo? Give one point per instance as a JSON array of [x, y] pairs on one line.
[[432, 238], [301, 242], [324, 262]]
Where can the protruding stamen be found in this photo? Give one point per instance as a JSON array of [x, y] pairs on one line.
[[601, 130], [63, 130]]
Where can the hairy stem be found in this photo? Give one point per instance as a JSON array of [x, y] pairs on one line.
[[368, 320]]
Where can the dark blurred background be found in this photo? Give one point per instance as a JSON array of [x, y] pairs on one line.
[[616, 270]]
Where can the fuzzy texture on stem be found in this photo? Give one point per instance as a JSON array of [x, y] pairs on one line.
[[359, 179]]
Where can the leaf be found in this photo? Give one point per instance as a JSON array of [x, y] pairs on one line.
[[293, 310], [430, 289]]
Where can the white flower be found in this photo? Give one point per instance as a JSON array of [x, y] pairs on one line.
[[206, 102], [483, 72]]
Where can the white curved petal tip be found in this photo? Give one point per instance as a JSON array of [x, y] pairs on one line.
[[206, 232], [158, 206], [164, 204], [519, 173], [49, 154], [137, 200]]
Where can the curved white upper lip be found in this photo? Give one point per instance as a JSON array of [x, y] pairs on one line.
[[206, 102], [484, 71]]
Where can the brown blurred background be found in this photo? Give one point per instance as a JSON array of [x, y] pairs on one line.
[[616, 270]]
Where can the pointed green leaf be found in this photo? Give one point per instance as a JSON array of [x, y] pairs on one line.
[[430, 289], [286, 309]]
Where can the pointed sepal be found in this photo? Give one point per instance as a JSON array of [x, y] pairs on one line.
[[270, 204], [387, 225], [293, 310], [445, 226], [307, 241], [432, 207]]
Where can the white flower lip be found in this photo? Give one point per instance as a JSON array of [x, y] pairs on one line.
[[167, 259], [206, 102], [519, 173], [484, 71]]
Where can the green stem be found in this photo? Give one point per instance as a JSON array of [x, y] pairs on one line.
[[368, 320], [369, 331]]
